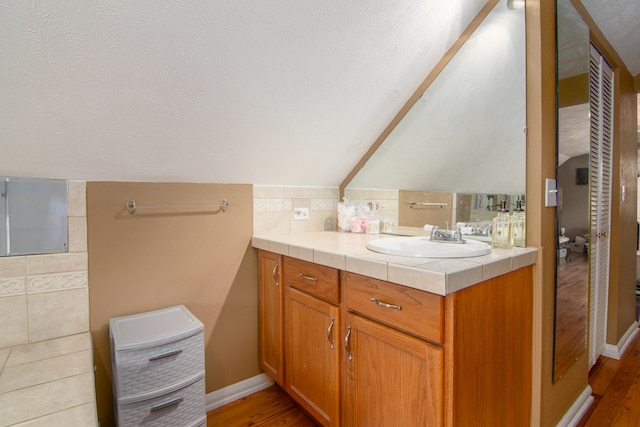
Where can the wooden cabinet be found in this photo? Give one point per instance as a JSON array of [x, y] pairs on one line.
[[391, 378], [312, 351], [312, 355], [364, 352], [270, 295]]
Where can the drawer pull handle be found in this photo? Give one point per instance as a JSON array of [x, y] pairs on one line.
[[164, 355], [347, 343], [172, 402], [305, 277], [386, 305], [333, 320], [274, 272]]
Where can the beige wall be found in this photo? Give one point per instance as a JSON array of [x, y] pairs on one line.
[[622, 300], [164, 257], [551, 401], [46, 296]]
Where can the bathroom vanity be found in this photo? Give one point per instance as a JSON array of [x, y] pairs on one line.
[[359, 338]]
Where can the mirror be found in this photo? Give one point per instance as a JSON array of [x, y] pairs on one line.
[[33, 216], [466, 132], [572, 214]]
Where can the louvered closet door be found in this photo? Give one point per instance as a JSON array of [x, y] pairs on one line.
[[601, 138]]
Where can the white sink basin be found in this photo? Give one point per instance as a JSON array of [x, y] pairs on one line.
[[422, 247]]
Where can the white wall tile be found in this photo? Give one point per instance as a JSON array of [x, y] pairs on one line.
[[273, 208], [77, 234], [77, 198], [57, 263], [13, 318], [10, 286], [57, 282], [57, 314], [12, 266]]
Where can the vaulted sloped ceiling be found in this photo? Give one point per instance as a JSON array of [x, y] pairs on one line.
[[267, 92]]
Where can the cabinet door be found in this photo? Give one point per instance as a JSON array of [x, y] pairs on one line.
[[270, 296], [312, 355], [391, 379]]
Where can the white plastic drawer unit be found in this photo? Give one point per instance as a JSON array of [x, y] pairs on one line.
[[157, 361], [183, 407]]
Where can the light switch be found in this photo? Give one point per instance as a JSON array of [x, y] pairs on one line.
[[551, 193]]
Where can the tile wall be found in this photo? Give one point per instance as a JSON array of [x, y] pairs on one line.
[[46, 296], [273, 207]]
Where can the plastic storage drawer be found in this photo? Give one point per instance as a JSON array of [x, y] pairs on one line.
[[183, 407], [157, 361]]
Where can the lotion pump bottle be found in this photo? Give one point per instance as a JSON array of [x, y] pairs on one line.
[[518, 225], [501, 235]]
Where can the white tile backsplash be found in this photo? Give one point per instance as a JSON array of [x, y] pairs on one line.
[[273, 208]]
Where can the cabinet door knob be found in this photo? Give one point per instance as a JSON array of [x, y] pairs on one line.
[[305, 277]]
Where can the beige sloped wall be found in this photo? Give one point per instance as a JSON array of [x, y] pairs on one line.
[[165, 257]]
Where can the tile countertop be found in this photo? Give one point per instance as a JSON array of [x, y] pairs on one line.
[[348, 251]]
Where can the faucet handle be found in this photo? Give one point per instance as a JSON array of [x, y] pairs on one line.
[[434, 231]]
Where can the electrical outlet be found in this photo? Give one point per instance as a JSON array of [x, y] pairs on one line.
[[300, 214]]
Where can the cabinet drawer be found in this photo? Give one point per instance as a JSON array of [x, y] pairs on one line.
[[183, 407], [417, 312], [314, 279], [145, 370]]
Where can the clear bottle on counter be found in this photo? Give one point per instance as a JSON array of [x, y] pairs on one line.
[[501, 236], [518, 225]]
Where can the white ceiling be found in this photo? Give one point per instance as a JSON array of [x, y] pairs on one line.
[[271, 92], [619, 21]]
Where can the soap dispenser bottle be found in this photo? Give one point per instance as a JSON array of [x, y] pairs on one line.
[[501, 236], [518, 225]]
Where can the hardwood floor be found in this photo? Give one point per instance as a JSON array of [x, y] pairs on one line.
[[615, 385], [572, 296], [616, 388], [269, 407]]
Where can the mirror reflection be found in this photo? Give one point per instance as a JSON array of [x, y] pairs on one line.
[[466, 133], [572, 215], [460, 149]]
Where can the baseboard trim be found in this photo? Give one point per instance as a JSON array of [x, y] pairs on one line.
[[580, 407], [616, 351], [236, 391]]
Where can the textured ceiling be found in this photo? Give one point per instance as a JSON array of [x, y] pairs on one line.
[[271, 92], [268, 92], [619, 21]]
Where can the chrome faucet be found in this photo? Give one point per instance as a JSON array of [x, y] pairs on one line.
[[438, 235]]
